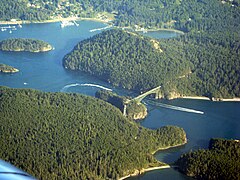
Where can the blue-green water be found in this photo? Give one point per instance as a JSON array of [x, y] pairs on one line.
[[44, 71], [161, 34]]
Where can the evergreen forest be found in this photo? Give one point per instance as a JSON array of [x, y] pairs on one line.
[[186, 15], [209, 49], [220, 161], [183, 65], [72, 136], [23, 44]]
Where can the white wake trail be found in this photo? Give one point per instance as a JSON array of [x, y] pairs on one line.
[[96, 85], [175, 107], [90, 85], [68, 86]]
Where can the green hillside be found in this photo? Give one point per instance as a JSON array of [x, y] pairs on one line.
[[126, 60], [71, 136], [184, 66], [187, 15], [221, 161]]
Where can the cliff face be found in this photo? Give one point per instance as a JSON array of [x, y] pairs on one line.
[[172, 95], [140, 115], [168, 95]]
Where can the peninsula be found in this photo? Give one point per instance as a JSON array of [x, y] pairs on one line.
[[22, 44], [220, 161], [7, 69], [61, 136], [139, 63]]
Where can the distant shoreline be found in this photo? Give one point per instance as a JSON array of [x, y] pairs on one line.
[[51, 21], [208, 99], [82, 19], [162, 29]]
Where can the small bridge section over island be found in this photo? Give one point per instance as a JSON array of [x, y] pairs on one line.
[[142, 96], [157, 91], [139, 98]]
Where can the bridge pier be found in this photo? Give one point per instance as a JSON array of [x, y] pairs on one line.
[[158, 95], [125, 110]]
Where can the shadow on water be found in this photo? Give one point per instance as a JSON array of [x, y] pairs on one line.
[[170, 155]]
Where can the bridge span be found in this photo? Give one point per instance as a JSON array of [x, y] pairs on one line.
[[142, 96]]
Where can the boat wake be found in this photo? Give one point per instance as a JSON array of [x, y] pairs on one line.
[[99, 29], [90, 85], [175, 107]]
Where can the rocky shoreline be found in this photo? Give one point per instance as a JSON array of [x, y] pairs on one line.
[[7, 69]]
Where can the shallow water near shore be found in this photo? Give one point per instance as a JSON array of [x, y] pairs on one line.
[[44, 71]]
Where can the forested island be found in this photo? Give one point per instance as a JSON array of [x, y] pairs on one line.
[[7, 69], [182, 66], [208, 52], [221, 161], [22, 44], [72, 136], [132, 109]]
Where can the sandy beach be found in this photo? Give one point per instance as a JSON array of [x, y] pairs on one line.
[[195, 97], [145, 170], [208, 99], [231, 100]]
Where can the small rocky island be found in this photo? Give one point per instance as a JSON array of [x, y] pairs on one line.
[[7, 69], [131, 109], [22, 44]]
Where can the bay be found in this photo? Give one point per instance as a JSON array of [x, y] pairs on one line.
[[44, 71], [161, 34]]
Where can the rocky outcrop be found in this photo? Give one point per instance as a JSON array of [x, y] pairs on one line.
[[45, 49], [172, 95], [140, 115], [168, 95], [7, 69]]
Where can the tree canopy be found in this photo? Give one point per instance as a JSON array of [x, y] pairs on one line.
[[186, 65], [221, 161], [23, 44], [71, 136]]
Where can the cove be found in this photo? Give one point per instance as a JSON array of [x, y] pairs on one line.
[[44, 71]]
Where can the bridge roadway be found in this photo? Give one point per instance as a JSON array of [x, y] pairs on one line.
[[142, 96], [139, 98]]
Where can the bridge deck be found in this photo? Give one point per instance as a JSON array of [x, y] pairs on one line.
[[140, 97]]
